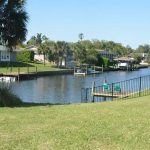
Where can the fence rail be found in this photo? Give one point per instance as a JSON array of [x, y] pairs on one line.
[[119, 90]]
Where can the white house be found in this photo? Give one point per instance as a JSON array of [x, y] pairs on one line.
[[6, 54], [37, 56], [125, 63]]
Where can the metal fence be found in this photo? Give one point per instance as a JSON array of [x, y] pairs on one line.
[[119, 90]]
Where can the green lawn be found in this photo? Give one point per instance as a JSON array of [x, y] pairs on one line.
[[118, 125], [13, 67]]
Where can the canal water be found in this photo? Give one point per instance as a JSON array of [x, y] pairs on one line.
[[64, 89]]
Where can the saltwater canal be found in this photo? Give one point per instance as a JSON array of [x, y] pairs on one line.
[[67, 88]]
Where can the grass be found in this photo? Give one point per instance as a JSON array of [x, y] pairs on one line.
[[13, 67], [118, 125]]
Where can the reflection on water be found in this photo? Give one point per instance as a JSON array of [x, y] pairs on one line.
[[67, 88]]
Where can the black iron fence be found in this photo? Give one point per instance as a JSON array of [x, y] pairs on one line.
[[119, 90]]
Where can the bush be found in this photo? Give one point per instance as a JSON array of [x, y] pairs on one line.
[[103, 61], [25, 56], [106, 62], [7, 98]]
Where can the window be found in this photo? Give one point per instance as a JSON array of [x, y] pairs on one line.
[[5, 56]]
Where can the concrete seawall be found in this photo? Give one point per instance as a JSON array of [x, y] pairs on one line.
[[26, 76]]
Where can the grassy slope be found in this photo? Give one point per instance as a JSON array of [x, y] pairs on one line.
[[13, 67], [107, 126]]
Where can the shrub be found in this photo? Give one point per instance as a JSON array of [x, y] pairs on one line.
[[103, 61], [7, 98], [106, 62], [25, 56]]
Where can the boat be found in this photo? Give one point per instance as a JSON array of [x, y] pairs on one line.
[[7, 79], [84, 70]]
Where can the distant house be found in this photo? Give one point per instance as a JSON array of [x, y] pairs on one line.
[[6, 54], [106, 54], [37, 56], [125, 63], [144, 57], [67, 62]]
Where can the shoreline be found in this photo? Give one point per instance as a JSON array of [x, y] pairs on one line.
[[30, 75]]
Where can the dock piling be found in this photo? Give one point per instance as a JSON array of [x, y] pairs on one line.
[[18, 74]]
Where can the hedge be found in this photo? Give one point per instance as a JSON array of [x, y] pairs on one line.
[[25, 56]]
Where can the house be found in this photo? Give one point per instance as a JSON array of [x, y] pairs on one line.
[[144, 57], [37, 56], [6, 54], [67, 62], [106, 54], [125, 63]]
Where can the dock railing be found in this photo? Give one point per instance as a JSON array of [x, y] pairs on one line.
[[119, 90]]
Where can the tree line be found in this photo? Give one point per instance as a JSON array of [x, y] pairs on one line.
[[83, 51]]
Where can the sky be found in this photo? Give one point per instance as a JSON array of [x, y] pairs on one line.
[[121, 21]]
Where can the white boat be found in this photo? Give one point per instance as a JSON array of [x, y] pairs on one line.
[[7, 79], [85, 70], [88, 72]]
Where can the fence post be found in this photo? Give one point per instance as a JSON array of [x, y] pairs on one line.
[[84, 94], [93, 91], [140, 86], [86, 98], [112, 91]]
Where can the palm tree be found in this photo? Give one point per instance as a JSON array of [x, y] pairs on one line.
[[37, 40], [13, 21], [62, 48], [44, 48], [81, 36]]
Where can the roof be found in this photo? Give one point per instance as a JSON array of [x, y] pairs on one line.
[[4, 48], [127, 59], [105, 52]]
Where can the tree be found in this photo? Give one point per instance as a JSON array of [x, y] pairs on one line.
[[62, 49], [81, 36], [13, 21], [137, 58], [143, 48], [44, 48], [37, 40], [41, 41], [92, 56], [148, 59], [79, 52]]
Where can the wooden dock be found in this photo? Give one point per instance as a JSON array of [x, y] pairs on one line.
[[113, 94]]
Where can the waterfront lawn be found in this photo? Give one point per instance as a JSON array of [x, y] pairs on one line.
[[13, 67], [107, 126]]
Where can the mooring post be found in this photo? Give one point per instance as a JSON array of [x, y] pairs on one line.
[[86, 69], [74, 69], [93, 91], [102, 69], [18, 74]]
